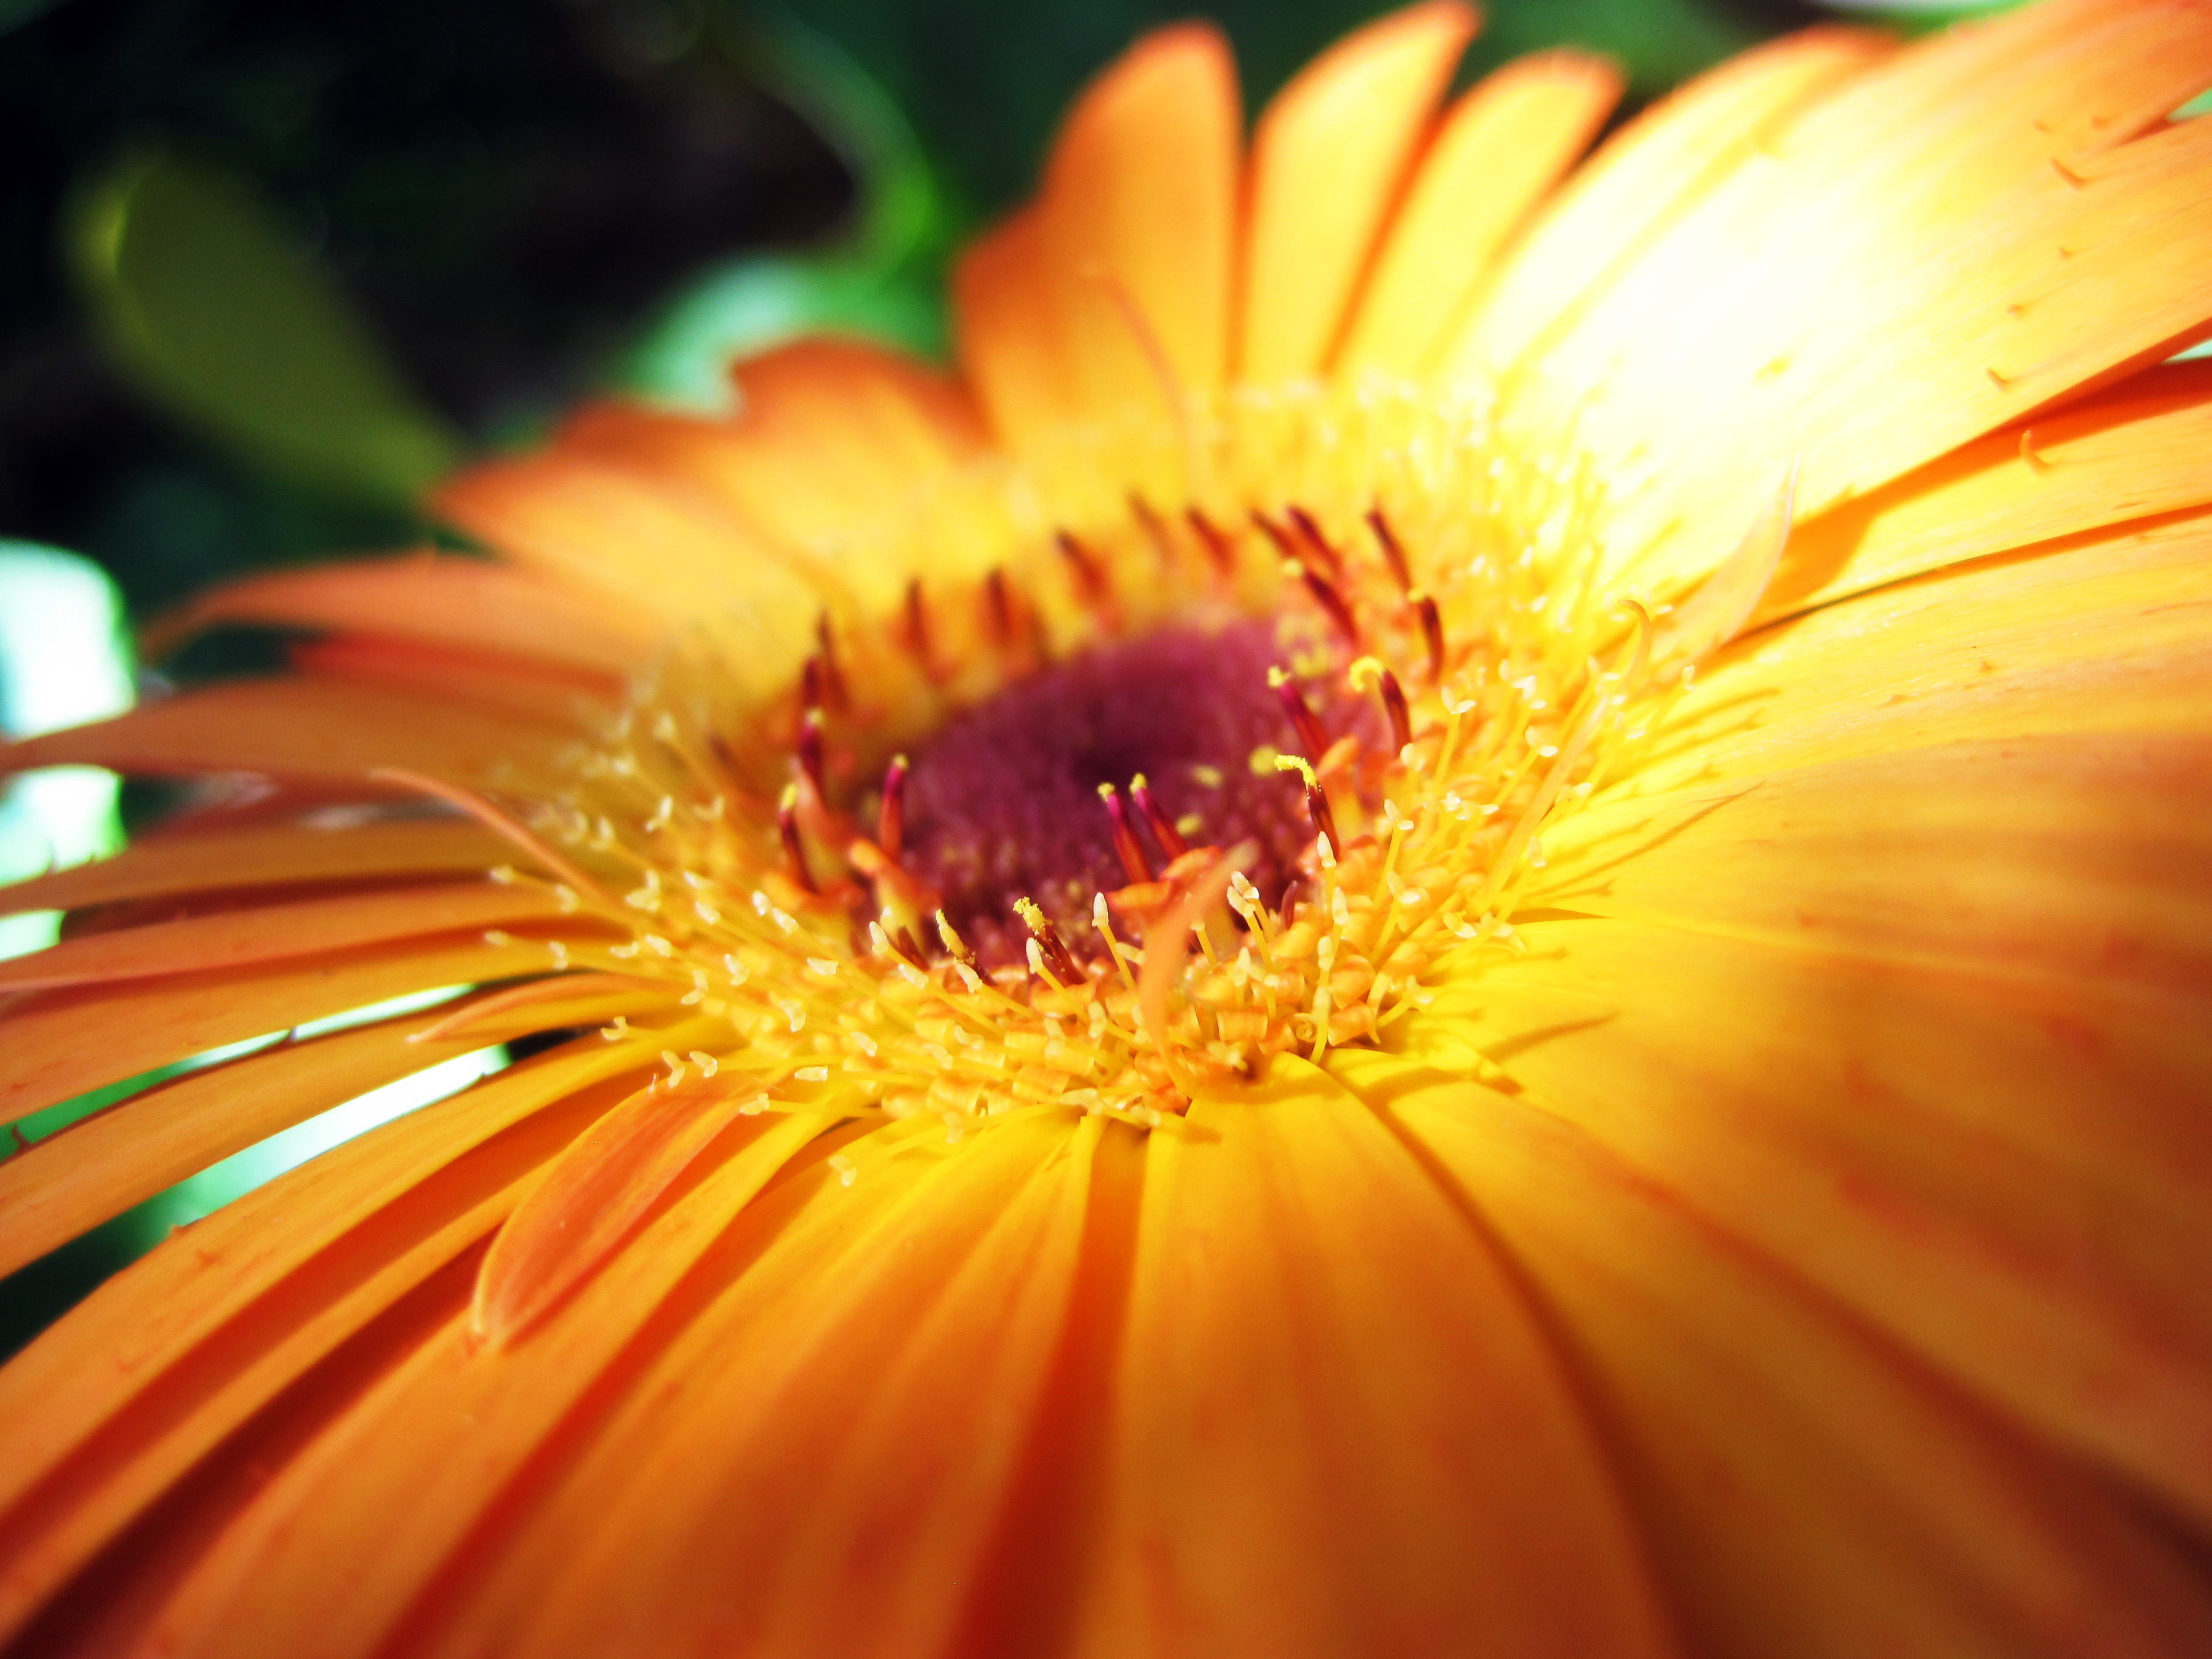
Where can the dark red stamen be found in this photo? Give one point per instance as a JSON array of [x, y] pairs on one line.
[[1329, 599], [891, 816], [1218, 547], [1432, 630], [1393, 704], [1057, 961], [917, 627], [1157, 820], [1323, 819], [1125, 845], [794, 852], [1286, 545], [1313, 742], [1155, 531], [810, 749], [904, 942], [836, 697], [1392, 554], [1310, 532], [1001, 600], [1090, 575]]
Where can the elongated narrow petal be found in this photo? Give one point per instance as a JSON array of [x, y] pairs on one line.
[[1329, 158]]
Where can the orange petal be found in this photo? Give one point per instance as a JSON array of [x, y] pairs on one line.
[[120, 1398], [1140, 194], [2131, 452], [1007, 332], [2110, 632], [61, 1044], [193, 862], [2083, 857], [304, 730], [1493, 158], [834, 439], [2004, 1173], [271, 933], [295, 1574], [2000, 217], [1311, 1452], [594, 1193], [101, 1165], [468, 602], [644, 539], [1329, 157], [515, 684], [911, 1316], [1806, 1489], [1643, 178]]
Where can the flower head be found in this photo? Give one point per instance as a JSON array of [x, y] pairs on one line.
[[1462, 913]]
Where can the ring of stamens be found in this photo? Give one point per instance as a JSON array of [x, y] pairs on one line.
[[1416, 619]]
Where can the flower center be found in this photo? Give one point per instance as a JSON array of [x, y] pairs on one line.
[[1008, 800]]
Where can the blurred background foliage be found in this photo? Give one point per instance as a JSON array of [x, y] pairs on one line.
[[268, 269]]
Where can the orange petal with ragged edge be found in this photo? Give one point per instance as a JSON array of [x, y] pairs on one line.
[[271, 933], [1778, 315], [469, 603], [117, 1400], [1805, 1486], [1329, 156], [61, 1044], [293, 1573], [1494, 157], [306, 730], [1642, 178], [595, 1192], [2007, 1173], [1325, 1365], [680, 1508], [1140, 201], [2134, 452], [194, 861]]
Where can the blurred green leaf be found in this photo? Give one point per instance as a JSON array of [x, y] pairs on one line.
[[204, 302], [882, 281]]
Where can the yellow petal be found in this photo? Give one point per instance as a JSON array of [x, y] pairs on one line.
[[1997, 218], [1329, 156], [2112, 632], [1643, 179], [1493, 158], [1337, 1427], [2134, 452]]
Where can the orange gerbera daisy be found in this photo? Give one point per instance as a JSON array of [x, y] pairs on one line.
[[1457, 917]]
